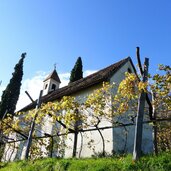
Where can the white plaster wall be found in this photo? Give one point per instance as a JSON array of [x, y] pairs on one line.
[[123, 138], [13, 151], [46, 125], [86, 147], [95, 147], [10, 151], [23, 150], [83, 144]]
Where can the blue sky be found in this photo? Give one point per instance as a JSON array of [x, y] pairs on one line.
[[100, 31]]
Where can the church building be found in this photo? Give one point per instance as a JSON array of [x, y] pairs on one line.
[[118, 139]]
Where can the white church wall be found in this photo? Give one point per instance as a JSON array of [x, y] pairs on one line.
[[123, 137], [11, 149], [86, 145], [89, 143], [93, 144]]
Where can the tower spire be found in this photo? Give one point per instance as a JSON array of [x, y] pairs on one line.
[[51, 82]]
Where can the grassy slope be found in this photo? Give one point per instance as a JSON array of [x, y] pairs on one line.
[[162, 163]]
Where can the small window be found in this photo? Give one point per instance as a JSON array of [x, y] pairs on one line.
[[53, 86], [129, 70], [46, 86]]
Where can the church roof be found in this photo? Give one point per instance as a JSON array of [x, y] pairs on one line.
[[54, 76], [91, 80]]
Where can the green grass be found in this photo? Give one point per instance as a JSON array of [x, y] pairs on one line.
[[161, 162]]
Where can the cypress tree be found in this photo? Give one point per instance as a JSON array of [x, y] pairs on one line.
[[11, 93], [76, 72]]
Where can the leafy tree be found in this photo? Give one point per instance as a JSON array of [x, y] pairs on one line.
[[11, 93], [161, 93], [77, 72]]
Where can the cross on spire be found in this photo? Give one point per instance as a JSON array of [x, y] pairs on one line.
[[55, 66]]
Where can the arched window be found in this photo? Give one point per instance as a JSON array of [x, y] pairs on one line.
[[46, 86], [53, 86]]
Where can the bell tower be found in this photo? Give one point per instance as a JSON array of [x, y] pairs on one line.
[[51, 83]]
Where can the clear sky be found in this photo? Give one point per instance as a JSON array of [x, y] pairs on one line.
[[102, 32]]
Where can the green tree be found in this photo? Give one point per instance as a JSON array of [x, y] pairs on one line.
[[11, 93], [77, 72]]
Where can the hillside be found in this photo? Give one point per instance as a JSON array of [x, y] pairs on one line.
[[161, 162]]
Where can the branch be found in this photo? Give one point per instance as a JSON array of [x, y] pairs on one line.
[[101, 128], [17, 131], [71, 130], [139, 60]]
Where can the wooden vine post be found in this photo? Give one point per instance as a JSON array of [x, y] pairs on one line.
[[140, 115], [29, 140]]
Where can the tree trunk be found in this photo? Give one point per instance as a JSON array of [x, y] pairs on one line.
[[81, 147], [51, 148], [75, 135], [75, 144], [103, 141]]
